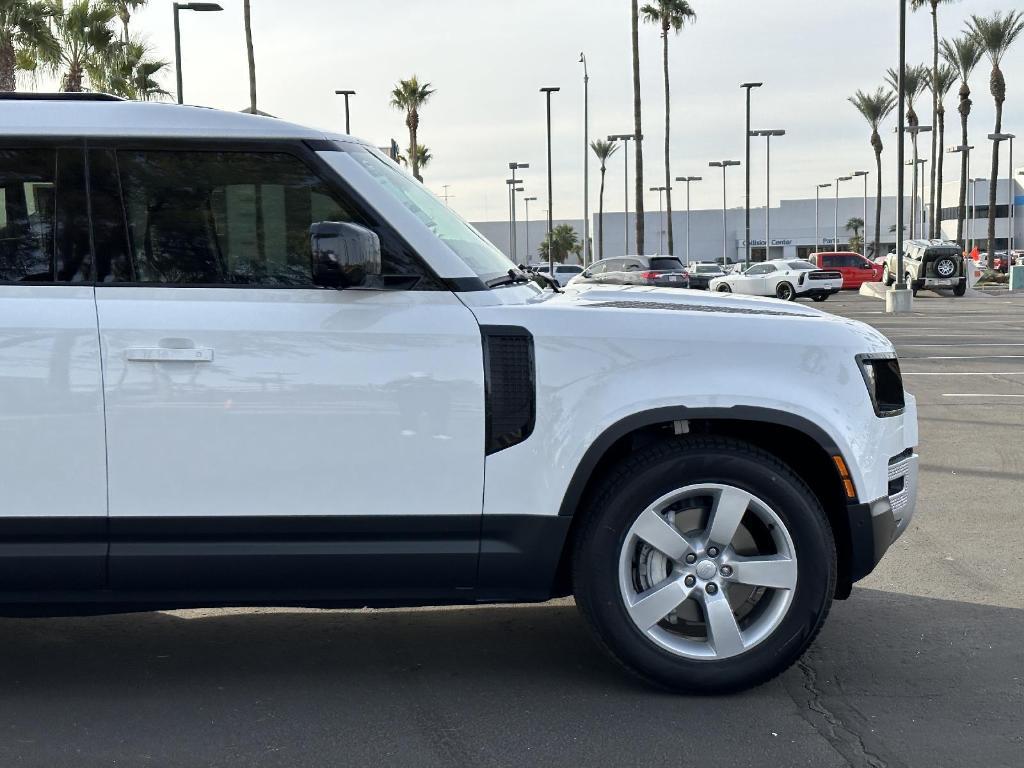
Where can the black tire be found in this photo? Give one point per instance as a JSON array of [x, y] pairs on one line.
[[886, 277], [912, 285], [820, 296], [785, 291], [648, 475], [949, 265], [961, 288], [724, 288]]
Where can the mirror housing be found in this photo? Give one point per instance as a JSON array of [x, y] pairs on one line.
[[343, 254]]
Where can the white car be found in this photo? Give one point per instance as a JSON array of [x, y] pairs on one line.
[[784, 279], [261, 364], [563, 272]]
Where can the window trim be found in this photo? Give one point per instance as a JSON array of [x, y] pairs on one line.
[[296, 148]]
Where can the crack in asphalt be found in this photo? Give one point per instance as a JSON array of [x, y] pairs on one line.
[[841, 735]]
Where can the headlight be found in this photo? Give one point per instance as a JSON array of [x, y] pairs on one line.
[[884, 382]]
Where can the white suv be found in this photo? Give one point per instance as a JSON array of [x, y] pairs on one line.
[[247, 363]]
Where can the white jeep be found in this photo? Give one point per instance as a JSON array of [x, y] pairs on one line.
[[929, 264], [246, 363]]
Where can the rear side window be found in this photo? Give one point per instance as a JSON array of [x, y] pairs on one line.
[[44, 235], [666, 264]]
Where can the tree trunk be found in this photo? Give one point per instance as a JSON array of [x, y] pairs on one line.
[[73, 79], [600, 218], [965, 112], [998, 86], [413, 122], [668, 133], [933, 231], [252, 59], [638, 132], [8, 65], [878, 200], [939, 160]]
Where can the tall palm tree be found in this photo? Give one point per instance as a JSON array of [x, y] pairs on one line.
[[86, 41], [963, 54], [915, 81], [124, 9], [131, 73], [562, 242], [940, 88], [995, 34], [670, 15], [410, 95], [933, 6], [875, 107], [423, 156], [638, 129], [252, 59], [855, 225], [25, 39], [603, 150]]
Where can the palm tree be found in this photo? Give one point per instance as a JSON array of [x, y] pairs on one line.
[[995, 34], [410, 95], [131, 73], [565, 241], [124, 9], [252, 59], [86, 41], [940, 88], [875, 107], [603, 150], [638, 130], [933, 5], [25, 39], [963, 54], [915, 80], [670, 15], [423, 156]]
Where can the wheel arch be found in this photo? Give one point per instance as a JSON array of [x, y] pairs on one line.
[[800, 443]]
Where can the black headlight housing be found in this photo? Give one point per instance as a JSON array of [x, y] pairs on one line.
[[884, 382]]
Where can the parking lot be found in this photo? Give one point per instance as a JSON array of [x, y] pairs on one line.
[[923, 666]]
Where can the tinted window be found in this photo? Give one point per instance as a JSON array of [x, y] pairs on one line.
[[630, 265], [598, 268], [707, 270], [43, 216], [666, 265], [571, 269], [760, 269], [801, 265]]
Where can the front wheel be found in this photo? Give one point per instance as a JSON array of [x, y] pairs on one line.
[[704, 565], [912, 285], [785, 291], [886, 277], [724, 288]]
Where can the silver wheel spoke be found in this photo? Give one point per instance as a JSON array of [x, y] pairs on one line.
[[767, 571], [723, 631], [662, 535], [728, 510], [658, 602]]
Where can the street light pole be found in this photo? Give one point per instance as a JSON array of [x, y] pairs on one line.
[[587, 257], [723, 164], [512, 234], [551, 251], [661, 215], [914, 130], [894, 302], [864, 241], [526, 202], [688, 179], [177, 35], [747, 87], [625, 138], [996, 138], [835, 243], [768, 187], [817, 202], [346, 94]]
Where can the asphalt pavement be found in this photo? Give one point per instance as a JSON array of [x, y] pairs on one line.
[[923, 666]]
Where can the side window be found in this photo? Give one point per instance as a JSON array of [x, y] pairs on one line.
[[760, 269], [232, 218], [631, 265], [599, 268], [44, 235]]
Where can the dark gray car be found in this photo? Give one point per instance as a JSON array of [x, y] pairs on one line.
[[662, 271]]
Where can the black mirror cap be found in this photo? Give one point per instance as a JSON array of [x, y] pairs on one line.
[[343, 255]]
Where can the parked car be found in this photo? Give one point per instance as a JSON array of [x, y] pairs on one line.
[[929, 264], [338, 393], [563, 272], [663, 271], [784, 279], [702, 274], [855, 269]]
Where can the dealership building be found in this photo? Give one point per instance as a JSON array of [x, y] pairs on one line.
[[793, 230]]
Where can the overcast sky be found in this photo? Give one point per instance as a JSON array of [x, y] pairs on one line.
[[487, 60]]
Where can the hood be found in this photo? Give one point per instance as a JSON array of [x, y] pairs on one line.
[[643, 297]]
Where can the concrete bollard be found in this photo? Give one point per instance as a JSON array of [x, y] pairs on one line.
[[898, 302]]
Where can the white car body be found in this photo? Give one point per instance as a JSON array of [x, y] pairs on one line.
[[770, 278], [171, 445]]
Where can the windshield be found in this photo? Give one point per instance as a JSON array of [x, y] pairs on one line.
[[666, 264], [801, 265], [709, 269], [474, 249]]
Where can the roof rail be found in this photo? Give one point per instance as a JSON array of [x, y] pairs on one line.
[[34, 96]]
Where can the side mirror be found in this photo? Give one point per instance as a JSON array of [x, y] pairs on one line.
[[343, 254], [587, 274]]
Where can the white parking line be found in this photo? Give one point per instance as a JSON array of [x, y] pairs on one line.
[[964, 373], [975, 394]]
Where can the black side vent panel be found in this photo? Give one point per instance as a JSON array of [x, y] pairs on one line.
[[510, 385]]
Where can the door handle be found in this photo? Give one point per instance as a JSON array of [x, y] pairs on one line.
[[169, 355]]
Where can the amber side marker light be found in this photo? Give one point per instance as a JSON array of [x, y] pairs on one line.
[[844, 473]]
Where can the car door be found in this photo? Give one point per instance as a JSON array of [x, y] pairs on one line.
[[752, 281], [53, 529], [265, 433]]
